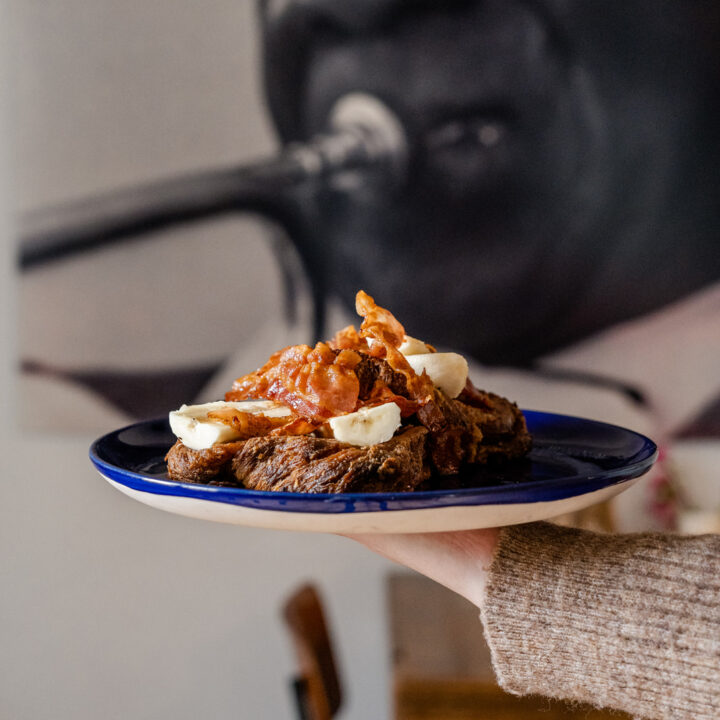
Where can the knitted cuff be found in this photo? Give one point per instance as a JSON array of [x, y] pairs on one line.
[[624, 621]]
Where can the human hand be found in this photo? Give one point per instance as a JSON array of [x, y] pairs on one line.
[[458, 560]]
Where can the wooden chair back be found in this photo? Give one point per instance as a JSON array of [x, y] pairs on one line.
[[317, 685]]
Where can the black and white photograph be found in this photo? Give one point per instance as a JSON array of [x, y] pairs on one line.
[[361, 359]]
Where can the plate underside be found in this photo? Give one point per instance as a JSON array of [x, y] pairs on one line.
[[574, 463]]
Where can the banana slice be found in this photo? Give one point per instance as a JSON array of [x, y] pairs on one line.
[[413, 346], [448, 371], [368, 425], [191, 424]]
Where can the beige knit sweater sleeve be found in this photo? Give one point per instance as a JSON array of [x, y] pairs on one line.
[[630, 622]]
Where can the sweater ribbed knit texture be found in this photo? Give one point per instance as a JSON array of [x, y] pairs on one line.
[[630, 622]]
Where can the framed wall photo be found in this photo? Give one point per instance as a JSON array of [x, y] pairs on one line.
[[110, 333], [551, 214], [129, 332]]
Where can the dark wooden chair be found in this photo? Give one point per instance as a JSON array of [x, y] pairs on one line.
[[317, 684]]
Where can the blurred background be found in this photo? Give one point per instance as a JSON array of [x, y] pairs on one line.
[[551, 210], [108, 608]]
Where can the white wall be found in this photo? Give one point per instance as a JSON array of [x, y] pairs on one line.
[[108, 608]]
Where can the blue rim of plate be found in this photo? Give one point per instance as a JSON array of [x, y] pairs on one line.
[[571, 456]]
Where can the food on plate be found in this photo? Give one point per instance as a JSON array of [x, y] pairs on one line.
[[372, 410]]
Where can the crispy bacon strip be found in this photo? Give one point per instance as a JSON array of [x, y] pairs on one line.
[[382, 326], [315, 382], [378, 323], [319, 383], [298, 426], [349, 339], [248, 425], [382, 394]]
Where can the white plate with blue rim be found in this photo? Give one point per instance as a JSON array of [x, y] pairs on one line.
[[574, 463]]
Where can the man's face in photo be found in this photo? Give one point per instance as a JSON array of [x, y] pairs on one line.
[[562, 169]]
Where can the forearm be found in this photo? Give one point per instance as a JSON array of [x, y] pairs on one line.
[[630, 622]]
